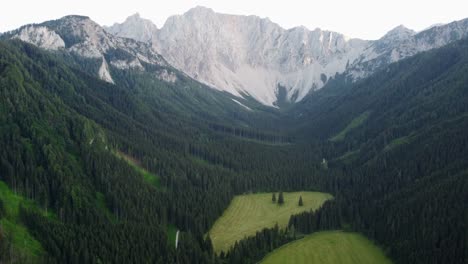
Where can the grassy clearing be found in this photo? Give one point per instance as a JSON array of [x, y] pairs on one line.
[[349, 156], [329, 247], [356, 122], [398, 142], [250, 213], [171, 233], [101, 204], [23, 242], [149, 177]]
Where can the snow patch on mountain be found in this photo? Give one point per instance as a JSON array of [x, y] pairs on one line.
[[241, 104]]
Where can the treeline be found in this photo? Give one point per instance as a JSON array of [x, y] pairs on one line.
[[251, 134], [253, 249], [327, 217]]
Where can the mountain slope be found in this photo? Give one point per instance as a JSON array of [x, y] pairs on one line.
[[62, 129], [403, 85], [45, 145], [81, 36], [402, 153], [401, 43], [136, 66]]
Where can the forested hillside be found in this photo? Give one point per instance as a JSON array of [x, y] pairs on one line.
[[62, 130], [76, 152], [401, 155]]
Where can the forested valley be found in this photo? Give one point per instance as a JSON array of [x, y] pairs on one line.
[[391, 148]]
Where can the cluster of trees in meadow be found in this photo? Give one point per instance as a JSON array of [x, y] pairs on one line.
[[281, 199]]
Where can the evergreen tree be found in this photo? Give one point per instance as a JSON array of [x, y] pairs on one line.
[[300, 201], [2, 209], [280, 198], [208, 244], [273, 198]]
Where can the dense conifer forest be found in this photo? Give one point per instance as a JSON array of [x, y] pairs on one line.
[[392, 149]]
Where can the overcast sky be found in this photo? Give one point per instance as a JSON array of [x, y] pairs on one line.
[[367, 19]]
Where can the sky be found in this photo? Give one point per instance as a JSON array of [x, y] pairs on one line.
[[366, 19]]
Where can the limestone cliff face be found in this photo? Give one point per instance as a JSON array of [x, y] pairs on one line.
[[248, 55], [82, 36], [251, 56], [401, 43]]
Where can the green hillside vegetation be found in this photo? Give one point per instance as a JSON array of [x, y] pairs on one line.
[[250, 213], [25, 247], [171, 234], [59, 158], [59, 126], [397, 142], [102, 206], [412, 149], [348, 156], [135, 164], [356, 122], [329, 247]]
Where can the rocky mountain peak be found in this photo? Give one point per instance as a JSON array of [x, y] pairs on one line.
[[134, 27], [249, 55], [82, 36], [401, 43], [199, 10], [399, 33], [75, 18], [135, 16]]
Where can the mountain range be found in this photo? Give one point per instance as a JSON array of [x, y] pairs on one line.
[[247, 56], [250, 56]]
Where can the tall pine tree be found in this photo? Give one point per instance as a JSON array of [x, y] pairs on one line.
[[280, 198], [2, 209]]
